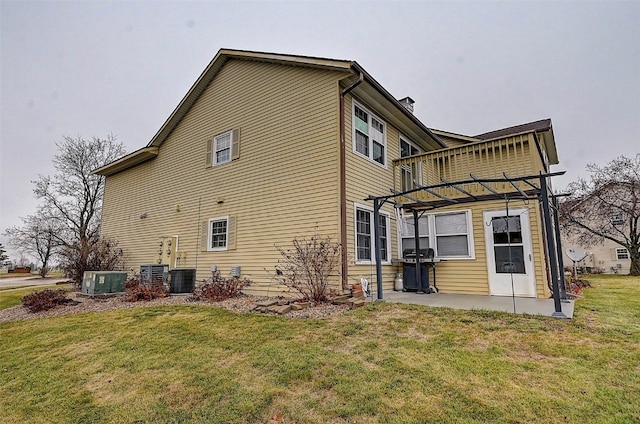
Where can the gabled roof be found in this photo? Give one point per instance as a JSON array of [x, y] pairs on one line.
[[220, 59], [537, 126], [542, 129], [370, 91]]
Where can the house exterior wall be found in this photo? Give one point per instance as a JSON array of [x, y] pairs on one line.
[[602, 257], [364, 178], [470, 276], [284, 184]]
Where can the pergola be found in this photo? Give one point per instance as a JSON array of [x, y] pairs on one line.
[[531, 187]]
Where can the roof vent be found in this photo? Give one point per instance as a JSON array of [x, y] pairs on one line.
[[407, 102]]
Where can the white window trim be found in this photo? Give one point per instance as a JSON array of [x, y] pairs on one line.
[[354, 103], [411, 143], [420, 151], [617, 219], [215, 147], [210, 248], [622, 251], [387, 216], [431, 217]]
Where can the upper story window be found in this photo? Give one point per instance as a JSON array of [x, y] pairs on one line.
[[410, 174], [223, 148], [369, 135]]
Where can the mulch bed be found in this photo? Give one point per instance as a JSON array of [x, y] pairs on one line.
[[241, 304]]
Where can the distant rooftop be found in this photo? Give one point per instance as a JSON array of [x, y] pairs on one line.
[[538, 126]]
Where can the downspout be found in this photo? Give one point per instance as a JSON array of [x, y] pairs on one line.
[[343, 185]]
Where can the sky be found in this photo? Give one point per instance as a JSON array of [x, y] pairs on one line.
[[96, 68]]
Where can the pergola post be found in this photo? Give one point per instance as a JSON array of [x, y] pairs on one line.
[[553, 257], [556, 222]]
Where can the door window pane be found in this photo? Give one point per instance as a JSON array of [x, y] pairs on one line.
[[509, 259], [507, 230]]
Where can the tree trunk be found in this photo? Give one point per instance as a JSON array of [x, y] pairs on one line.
[[634, 255]]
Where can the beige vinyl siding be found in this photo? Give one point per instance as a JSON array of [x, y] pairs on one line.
[[284, 184], [364, 178], [517, 156], [470, 276], [452, 142]]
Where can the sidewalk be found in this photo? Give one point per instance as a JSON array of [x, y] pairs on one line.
[[33, 280]]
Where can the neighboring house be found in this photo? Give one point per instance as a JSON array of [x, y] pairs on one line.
[[609, 257], [606, 256], [267, 147]]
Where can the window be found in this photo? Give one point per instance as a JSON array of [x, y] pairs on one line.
[[408, 233], [223, 148], [369, 135], [365, 245], [217, 234], [410, 173], [622, 253], [617, 219], [449, 234]]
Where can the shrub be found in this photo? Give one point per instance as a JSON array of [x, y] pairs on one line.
[[219, 288], [137, 289], [44, 300], [306, 267], [95, 254]]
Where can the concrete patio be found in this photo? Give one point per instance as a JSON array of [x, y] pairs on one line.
[[523, 305]]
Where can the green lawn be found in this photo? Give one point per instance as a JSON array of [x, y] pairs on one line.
[[384, 363], [11, 296]]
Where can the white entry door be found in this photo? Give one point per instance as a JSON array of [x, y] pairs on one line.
[[509, 260]]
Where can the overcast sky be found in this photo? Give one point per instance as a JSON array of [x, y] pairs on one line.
[[95, 68]]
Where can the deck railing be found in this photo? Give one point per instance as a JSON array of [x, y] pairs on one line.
[[516, 156]]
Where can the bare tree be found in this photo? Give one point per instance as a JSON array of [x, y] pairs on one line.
[[72, 197], [38, 238], [3, 255], [607, 206]]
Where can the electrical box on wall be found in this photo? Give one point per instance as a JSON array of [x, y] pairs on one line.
[[166, 251]]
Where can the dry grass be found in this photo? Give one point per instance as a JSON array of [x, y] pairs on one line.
[[381, 364]]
